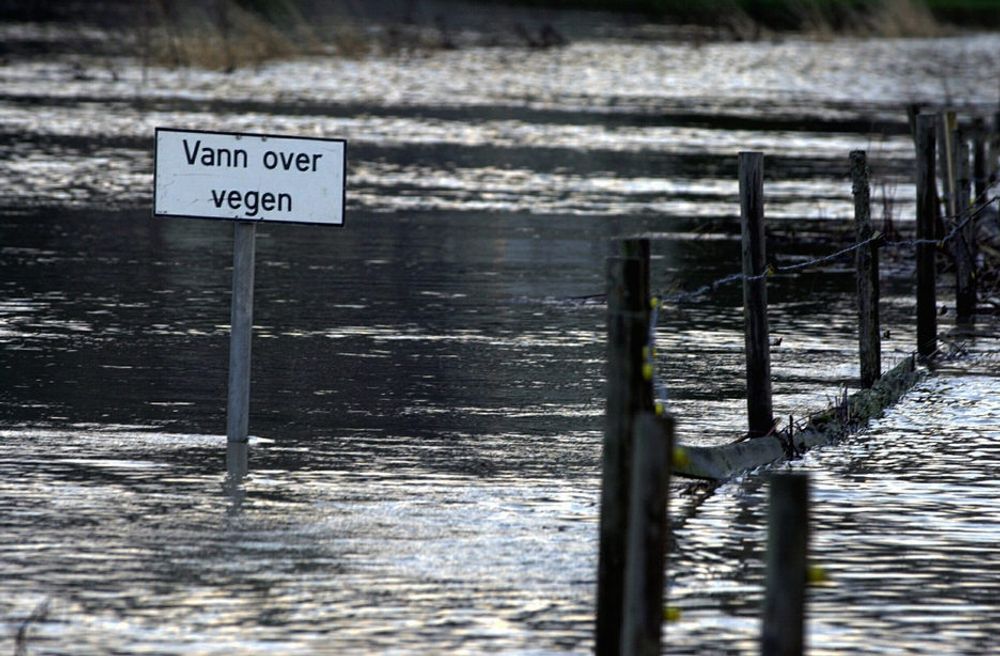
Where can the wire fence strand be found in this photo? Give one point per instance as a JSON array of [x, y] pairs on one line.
[[660, 393], [966, 217]]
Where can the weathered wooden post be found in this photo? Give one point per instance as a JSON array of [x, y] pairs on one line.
[[240, 332], [912, 111], [647, 536], [758, 348], [993, 157], [980, 189], [946, 128], [783, 631], [866, 261], [980, 175], [964, 243], [926, 214], [628, 395]]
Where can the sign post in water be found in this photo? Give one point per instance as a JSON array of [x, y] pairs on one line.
[[247, 178]]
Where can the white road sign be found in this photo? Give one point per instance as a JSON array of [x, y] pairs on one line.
[[249, 177]]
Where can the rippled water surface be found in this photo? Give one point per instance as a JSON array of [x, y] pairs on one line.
[[428, 395], [904, 523]]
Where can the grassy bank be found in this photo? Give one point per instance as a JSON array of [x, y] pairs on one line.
[[230, 34], [840, 15]]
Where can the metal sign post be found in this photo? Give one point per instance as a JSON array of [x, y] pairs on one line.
[[247, 178], [240, 330]]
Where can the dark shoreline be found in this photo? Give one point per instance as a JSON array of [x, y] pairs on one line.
[[779, 15]]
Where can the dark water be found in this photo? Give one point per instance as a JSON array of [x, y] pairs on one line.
[[428, 381]]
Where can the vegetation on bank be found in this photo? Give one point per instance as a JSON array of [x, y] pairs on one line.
[[794, 14], [228, 34]]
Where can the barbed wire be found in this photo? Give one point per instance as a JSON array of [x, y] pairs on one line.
[[976, 207], [660, 393], [968, 215]]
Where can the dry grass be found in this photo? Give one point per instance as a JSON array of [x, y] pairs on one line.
[[217, 35], [221, 35], [880, 18], [903, 18]]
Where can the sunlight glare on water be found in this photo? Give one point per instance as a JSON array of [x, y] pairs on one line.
[[428, 381]]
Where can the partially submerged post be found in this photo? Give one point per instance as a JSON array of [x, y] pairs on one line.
[[237, 461], [993, 165], [647, 536], [964, 243], [866, 260], [758, 349], [912, 111], [980, 175], [926, 214], [247, 178], [628, 395], [783, 631]]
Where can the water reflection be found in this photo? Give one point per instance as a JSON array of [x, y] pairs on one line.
[[462, 131], [429, 391]]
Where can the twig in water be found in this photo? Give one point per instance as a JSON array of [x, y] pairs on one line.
[[38, 615]]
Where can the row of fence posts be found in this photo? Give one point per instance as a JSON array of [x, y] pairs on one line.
[[638, 440]]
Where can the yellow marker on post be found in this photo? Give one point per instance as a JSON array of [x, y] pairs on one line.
[[816, 575], [680, 458]]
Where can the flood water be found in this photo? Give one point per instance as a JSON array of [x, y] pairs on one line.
[[427, 399]]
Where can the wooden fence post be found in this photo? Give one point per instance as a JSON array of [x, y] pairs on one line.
[[866, 260], [912, 111], [964, 244], [946, 127], [783, 631], [758, 348], [647, 536], [240, 332], [628, 394], [980, 175], [993, 166], [926, 215]]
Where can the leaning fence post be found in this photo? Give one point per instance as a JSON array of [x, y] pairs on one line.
[[647, 536], [758, 349], [963, 246], [866, 260], [783, 631], [926, 214], [628, 394]]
